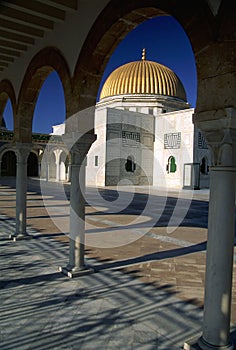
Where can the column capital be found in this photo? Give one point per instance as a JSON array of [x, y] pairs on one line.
[[219, 130], [57, 153], [78, 144], [22, 151]]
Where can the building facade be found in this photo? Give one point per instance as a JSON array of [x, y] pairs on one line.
[[145, 135], [80, 61], [145, 131]]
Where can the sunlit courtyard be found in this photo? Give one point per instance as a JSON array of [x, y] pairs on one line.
[[147, 288]]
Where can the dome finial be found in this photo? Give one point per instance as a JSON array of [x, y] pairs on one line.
[[143, 54]]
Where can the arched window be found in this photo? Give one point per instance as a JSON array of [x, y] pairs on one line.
[[204, 168], [171, 166], [130, 165]]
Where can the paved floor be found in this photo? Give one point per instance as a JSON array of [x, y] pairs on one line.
[[146, 293]]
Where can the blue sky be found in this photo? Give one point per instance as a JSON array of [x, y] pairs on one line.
[[165, 42]]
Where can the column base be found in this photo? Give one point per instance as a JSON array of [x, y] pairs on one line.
[[198, 343], [206, 346], [20, 237], [76, 272], [192, 344]]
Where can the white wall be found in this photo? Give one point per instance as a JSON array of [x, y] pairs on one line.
[[95, 175], [174, 122]]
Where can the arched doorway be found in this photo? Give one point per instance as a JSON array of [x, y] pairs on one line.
[[8, 166], [32, 165], [63, 164]]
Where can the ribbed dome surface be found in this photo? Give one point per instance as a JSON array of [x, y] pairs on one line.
[[143, 77]]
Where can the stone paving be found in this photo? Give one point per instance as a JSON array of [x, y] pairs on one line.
[[144, 295]]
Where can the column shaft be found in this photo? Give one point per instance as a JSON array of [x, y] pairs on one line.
[[39, 169], [47, 172], [77, 217], [219, 264], [79, 147], [58, 171], [22, 152], [21, 189]]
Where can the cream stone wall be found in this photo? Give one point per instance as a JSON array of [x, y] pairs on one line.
[[58, 129], [201, 151], [171, 124], [114, 145], [129, 137], [107, 157], [95, 169]]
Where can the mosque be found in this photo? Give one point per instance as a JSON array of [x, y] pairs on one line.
[[145, 133], [144, 116]]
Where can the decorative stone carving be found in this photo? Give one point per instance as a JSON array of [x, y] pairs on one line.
[[22, 151], [78, 144], [219, 130]]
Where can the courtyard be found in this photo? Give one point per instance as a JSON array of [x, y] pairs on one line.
[[147, 248]]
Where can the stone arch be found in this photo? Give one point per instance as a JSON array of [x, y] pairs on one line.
[[116, 21], [38, 149], [43, 63], [8, 162], [5, 148], [64, 165], [39, 152], [216, 62], [7, 92]]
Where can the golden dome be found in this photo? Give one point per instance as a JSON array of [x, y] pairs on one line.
[[143, 77]]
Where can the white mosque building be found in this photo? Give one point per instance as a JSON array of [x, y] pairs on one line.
[[145, 133]]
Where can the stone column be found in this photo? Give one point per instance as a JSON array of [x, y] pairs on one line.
[[46, 164], [39, 168], [79, 150], [220, 133], [22, 153], [57, 153], [69, 173], [219, 262], [58, 171]]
